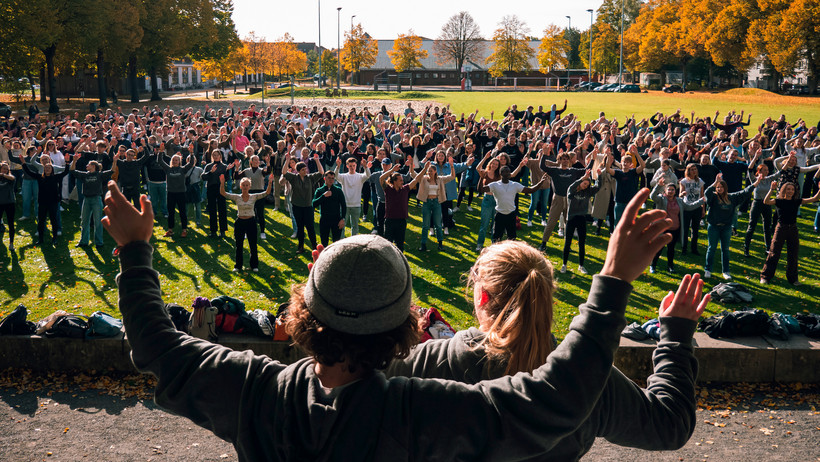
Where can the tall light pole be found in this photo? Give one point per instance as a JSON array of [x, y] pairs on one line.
[[589, 78], [569, 30], [338, 47], [351, 38], [319, 46], [621, 60]]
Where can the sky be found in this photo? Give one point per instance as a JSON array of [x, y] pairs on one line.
[[384, 20]]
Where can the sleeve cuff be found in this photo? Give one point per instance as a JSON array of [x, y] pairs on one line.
[[678, 330], [136, 254], [608, 291]]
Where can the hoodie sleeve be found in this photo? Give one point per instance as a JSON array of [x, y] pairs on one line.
[[191, 372]]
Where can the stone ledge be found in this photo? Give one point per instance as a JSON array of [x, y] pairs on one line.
[[742, 359], [747, 359]]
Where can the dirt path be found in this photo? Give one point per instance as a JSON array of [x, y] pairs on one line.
[[69, 420]]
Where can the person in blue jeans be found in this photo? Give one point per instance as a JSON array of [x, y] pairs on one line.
[[721, 206], [487, 176], [432, 193], [94, 182]]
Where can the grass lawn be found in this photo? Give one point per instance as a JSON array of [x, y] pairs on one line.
[[82, 281]]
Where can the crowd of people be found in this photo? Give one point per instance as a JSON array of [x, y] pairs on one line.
[[703, 170]]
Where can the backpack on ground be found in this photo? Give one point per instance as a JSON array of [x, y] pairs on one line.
[[203, 320], [179, 316], [69, 326], [731, 292], [15, 323], [103, 325]]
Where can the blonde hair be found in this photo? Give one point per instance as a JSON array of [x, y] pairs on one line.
[[520, 283], [245, 180]]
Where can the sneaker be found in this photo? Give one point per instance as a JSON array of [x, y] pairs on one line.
[[169, 233], [235, 269], [275, 209], [542, 247], [707, 274], [727, 276], [478, 248], [447, 231], [560, 233], [423, 248], [431, 232], [78, 245], [184, 233], [582, 270], [263, 236], [796, 283], [11, 247], [543, 222], [529, 223], [671, 270], [115, 252], [651, 270], [440, 246], [457, 209], [255, 270], [59, 233], [470, 209], [563, 269], [26, 218], [293, 236], [734, 232], [375, 231], [764, 281], [62, 209], [746, 253]]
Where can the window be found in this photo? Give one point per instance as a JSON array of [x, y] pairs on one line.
[[435, 75], [418, 75]]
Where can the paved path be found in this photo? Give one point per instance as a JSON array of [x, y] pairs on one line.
[[72, 424]]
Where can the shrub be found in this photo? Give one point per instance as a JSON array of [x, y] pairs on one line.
[[655, 86], [692, 86]]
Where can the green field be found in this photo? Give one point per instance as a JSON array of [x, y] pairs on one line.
[[82, 281]]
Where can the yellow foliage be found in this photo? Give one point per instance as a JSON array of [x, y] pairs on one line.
[[553, 50], [407, 52], [359, 50]]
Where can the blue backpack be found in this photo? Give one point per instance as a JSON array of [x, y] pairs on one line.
[[103, 325]]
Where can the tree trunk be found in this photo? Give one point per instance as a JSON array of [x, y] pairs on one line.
[[43, 84], [31, 85], [245, 79], [132, 78], [683, 73], [711, 73], [154, 90], [102, 88], [49, 53]]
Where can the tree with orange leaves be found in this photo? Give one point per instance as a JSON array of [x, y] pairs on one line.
[[407, 52], [553, 50]]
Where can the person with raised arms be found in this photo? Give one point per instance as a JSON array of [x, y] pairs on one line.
[[245, 225], [339, 400]]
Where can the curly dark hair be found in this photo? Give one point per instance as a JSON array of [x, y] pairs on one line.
[[329, 346]]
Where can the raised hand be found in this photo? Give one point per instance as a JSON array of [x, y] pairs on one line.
[[636, 240], [125, 223], [686, 302], [315, 254]]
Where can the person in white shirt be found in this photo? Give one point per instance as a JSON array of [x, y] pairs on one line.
[[245, 224], [504, 191], [352, 183]]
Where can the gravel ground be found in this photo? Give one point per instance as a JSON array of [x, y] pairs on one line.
[[91, 417]]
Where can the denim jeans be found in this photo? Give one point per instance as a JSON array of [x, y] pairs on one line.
[[431, 209], [352, 219], [538, 203], [487, 215], [619, 210], [92, 213], [30, 193], [718, 234], [157, 193]]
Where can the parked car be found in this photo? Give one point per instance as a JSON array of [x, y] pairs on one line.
[[586, 86], [628, 88], [673, 89], [287, 85], [5, 110], [792, 89], [606, 87]]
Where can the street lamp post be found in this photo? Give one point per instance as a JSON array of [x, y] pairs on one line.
[[338, 47], [351, 41], [319, 84], [569, 31], [590, 45], [621, 60]]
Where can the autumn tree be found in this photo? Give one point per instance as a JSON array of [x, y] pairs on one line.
[[359, 50], [407, 52], [285, 58], [257, 53], [459, 41], [554, 49], [223, 69], [511, 47], [329, 63]]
